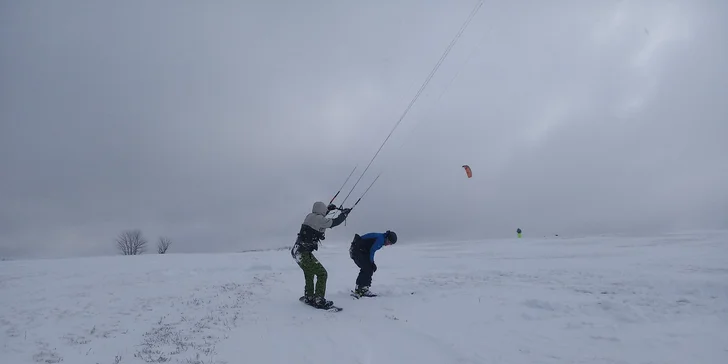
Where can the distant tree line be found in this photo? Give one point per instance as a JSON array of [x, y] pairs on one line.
[[132, 242]]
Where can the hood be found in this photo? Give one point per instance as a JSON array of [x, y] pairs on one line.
[[320, 208]]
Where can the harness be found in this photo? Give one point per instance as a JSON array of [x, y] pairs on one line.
[[308, 238], [359, 247]]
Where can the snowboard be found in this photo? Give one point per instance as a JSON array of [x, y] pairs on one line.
[[332, 308], [357, 296]]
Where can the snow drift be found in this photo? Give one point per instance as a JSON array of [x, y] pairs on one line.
[[660, 299]]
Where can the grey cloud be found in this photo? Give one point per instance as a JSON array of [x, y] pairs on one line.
[[219, 125]]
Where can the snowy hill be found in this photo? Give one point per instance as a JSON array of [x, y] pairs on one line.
[[660, 299]]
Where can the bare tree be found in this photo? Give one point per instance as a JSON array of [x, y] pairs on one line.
[[163, 245], [131, 242]]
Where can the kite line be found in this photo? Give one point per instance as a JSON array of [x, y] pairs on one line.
[[414, 99]]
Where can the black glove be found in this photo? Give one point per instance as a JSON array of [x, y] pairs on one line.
[[332, 207], [374, 267]]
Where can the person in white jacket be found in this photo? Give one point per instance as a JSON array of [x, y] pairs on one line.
[[311, 233]]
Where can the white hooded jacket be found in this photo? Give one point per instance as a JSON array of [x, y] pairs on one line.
[[314, 225]]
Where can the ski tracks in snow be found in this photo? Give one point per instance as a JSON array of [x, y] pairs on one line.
[[192, 328], [368, 331], [159, 316]]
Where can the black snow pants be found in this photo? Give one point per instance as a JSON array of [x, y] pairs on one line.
[[366, 267]]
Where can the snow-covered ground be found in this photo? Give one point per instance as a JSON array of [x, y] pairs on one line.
[[661, 299]]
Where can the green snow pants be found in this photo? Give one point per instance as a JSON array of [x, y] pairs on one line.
[[312, 267]]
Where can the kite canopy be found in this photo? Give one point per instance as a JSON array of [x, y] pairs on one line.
[[468, 171]]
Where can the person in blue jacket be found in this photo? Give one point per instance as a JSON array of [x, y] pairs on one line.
[[362, 251]]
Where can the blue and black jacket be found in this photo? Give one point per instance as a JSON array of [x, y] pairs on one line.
[[366, 245]]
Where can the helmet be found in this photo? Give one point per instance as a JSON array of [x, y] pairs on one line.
[[391, 236]]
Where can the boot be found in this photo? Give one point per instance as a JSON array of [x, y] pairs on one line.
[[321, 302], [363, 291]]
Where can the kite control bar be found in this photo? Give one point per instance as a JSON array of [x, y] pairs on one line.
[[357, 201]]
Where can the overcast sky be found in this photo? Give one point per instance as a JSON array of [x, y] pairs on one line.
[[218, 124]]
